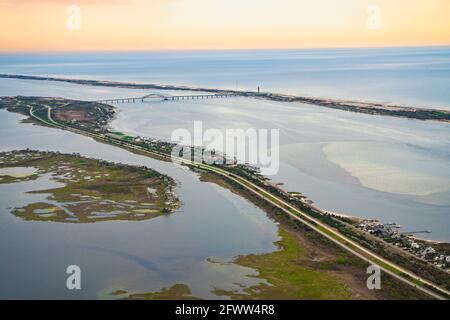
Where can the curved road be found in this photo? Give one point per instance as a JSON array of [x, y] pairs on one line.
[[318, 226]]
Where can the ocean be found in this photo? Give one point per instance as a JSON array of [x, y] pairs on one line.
[[386, 168]]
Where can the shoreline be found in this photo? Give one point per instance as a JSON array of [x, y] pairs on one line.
[[359, 218], [331, 229], [373, 108], [305, 200], [87, 193]]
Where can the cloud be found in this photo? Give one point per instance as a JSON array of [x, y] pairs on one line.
[[22, 2]]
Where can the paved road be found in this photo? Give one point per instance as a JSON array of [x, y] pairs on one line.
[[318, 226]]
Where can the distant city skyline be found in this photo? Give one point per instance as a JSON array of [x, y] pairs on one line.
[[116, 25]]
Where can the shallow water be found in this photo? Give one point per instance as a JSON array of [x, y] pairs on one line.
[[387, 168], [135, 256], [17, 172], [392, 169]]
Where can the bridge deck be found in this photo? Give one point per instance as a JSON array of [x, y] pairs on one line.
[[171, 98]]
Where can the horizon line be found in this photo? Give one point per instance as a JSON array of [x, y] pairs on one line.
[[225, 49]]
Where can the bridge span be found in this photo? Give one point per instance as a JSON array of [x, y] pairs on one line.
[[169, 98]]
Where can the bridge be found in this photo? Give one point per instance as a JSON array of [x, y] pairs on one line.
[[171, 98]]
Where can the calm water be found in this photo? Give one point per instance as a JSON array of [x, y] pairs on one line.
[[392, 169], [136, 256], [401, 75], [387, 168]]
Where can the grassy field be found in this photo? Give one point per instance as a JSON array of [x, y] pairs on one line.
[[289, 274], [306, 265]]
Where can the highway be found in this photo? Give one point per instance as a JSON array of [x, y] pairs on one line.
[[316, 225], [173, 98]]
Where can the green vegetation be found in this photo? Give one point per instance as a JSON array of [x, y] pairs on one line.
[[379, 247], [93, 190], [240, 173], [6, 179], [318, 253], [176, 292], [367, 108], [289, 275], [341, 260], [90, 116]]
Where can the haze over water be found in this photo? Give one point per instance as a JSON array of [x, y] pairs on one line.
[[418, 76], [392, 169]]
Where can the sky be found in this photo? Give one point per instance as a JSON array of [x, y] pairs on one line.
[[96, 25]]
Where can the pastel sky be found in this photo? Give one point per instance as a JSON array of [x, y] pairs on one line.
[[42, 25]]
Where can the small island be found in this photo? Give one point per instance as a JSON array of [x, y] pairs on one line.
[[88, 190], [293, 210]]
